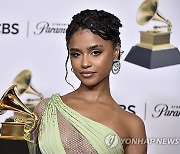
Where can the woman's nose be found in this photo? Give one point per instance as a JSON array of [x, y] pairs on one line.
[[85, 62]]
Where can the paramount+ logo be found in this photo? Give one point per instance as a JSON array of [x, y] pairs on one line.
[[45, 27], [164, 110], [9, 28]]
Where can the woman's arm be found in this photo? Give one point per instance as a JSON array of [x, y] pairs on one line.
[[138, 144], [38, 110]]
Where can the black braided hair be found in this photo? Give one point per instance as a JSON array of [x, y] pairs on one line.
[[99, 22]]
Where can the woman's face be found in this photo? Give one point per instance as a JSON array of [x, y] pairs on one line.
[[91, 57]]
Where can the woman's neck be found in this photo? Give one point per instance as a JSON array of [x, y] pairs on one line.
[[97, 92]]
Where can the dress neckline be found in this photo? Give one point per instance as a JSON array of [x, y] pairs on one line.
[[59, 96]]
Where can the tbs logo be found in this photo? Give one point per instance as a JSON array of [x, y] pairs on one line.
[[6, 28]]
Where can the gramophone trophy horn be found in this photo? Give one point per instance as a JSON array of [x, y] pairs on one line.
[[23, 81], [154, 49], [149, 11], [10, 101]]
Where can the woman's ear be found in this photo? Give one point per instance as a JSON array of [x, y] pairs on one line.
[[117, 49]]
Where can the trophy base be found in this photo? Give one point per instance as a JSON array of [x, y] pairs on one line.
[[12, 130], [153, 59], [13, 146]]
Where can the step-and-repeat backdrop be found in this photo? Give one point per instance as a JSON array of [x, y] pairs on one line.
[[32, 36]]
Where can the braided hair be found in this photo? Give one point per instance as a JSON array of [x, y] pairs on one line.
[[99, 22]]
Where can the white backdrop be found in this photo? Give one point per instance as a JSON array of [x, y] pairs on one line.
[[27, 42]]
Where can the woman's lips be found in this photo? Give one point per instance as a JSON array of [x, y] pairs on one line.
[[87, 74]]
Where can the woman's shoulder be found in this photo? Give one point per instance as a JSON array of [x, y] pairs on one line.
[[40, 107], [134, 130], [70, 98], [134, 124], [133, 118]]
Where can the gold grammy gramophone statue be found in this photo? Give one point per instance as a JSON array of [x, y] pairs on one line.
[[154, 49], [16, 130], [23, 82]]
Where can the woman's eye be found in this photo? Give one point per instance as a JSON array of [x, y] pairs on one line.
[[76, 54], [96, 53]]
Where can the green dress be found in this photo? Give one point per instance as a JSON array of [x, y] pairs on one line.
[[63, 130]]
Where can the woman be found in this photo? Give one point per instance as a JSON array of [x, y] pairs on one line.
[[88, 120]]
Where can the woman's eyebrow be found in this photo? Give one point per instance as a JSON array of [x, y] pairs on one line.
[[88, 48], [94, 46], [73, 49]]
